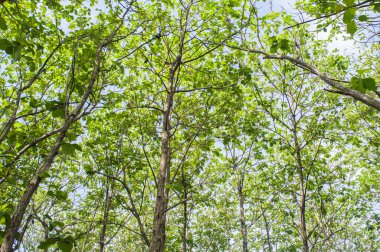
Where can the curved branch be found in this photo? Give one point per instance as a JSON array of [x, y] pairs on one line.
[[366, 99]]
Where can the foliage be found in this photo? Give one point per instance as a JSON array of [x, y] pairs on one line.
[[227, 124]]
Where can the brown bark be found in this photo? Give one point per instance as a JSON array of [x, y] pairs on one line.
[[159, 223]]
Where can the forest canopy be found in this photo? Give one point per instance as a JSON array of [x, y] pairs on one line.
[[189, 125]]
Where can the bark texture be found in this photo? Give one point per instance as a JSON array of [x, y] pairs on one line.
[[159, 223]]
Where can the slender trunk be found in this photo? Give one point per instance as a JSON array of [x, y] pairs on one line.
[[107, 207], [159, 223], [11, 229], [243, 226], [23, 203], [302, 203], [184, 227], [23, 231], [267, 231]]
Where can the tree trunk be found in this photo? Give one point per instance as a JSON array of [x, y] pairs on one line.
[[23, 231], [267, 230], [159, 223], [11, 230], [184, 227], [107, 206], [243, 226], [302, 203]]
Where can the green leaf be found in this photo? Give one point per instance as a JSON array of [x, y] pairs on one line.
[[348, 2], [6, 207], [376, 8], [5, 218], [32, 66], [66, 244], [16, 55], [80, 89], [10, 49], [88, 169], [369, 84], [3, 24], [68, 149], [53, 105], [45, 174], [284, 44], [48, 243], [339, 7], [357, 84], [77, 147], [12, 138], [58, 113], [363, 18], [2, 234], [273, 49], [61, 195], [57, 224], [274, 44], [349, 15], [50, 193], [4, 44], [351, 28], [34, 103]]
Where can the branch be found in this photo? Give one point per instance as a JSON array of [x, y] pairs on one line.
[[204, 88], [329, 15], [334, 91], [177, 204], [366, 99]]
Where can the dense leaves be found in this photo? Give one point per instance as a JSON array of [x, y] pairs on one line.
[[224, 125]]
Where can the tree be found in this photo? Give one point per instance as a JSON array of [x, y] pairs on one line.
[[188, 125]]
